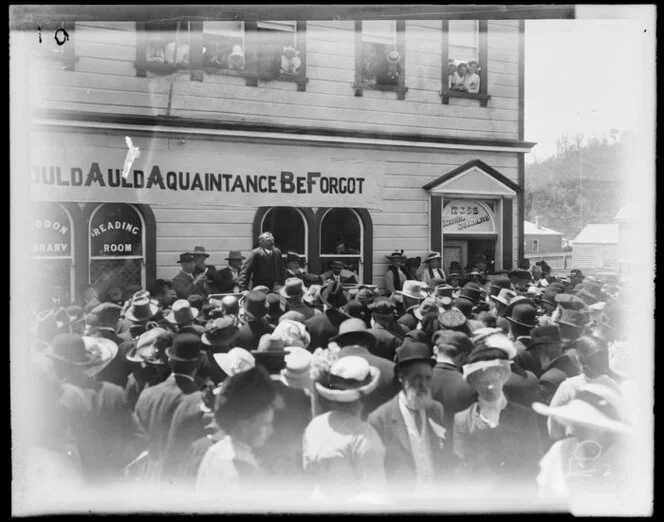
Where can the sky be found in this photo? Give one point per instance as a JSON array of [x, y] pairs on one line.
[[587, 75]]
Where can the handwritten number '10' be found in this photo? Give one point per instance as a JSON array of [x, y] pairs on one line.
[[60, 36]]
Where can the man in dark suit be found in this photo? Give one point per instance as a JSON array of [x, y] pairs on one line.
[[355, 339], [229, 276], [410, 424], [212, 275], [185, 283], [322, 327], [256, 325], [170, 412], [382, 311], [264, 266], [448, 385], [338, 272]]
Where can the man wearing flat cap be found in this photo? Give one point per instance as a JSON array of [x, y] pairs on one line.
[[264, 266]]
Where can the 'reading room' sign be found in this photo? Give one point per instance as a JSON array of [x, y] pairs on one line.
[[246, 175]]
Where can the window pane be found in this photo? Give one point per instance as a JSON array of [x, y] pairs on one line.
[[125, 273], [341, 232], [116, 230], [272, 61], [352, 264], [223, 45], [277, 26], [168, 43], [379, 31], [49, 273], [375, 67], [51, 232], [464, 40], [287, 227]]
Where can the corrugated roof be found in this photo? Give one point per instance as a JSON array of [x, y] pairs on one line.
[[597, 234], [531, 229]]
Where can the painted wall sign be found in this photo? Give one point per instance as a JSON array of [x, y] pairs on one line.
[[466, 216], [51, 231], [219, 174], [116, 230]]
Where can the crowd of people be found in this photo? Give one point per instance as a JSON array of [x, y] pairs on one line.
[[262, 377]]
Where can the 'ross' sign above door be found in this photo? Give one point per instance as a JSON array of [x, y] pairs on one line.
[[467, 216]]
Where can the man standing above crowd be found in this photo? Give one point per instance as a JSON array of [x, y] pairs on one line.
[[265, 265]]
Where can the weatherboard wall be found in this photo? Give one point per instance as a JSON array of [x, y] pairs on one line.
[[104, 81]]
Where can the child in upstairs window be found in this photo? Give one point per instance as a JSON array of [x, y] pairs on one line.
[[461, 71], [452, 74], [471, 81]]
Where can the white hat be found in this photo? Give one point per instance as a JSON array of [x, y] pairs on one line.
[[298, 364], [237, 360], [349, 379]]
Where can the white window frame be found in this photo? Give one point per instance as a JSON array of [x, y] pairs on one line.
[[360, 266], [463, 48], [306, 228], [107, 258], [283, 26]]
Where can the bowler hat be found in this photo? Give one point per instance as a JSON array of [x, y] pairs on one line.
[[107, 314], [221, 331], [196, 301], [333, 295], [465, 306], [548, 334], [292, 288], [354, 308], [523, 314], [548, 299], [186, 347], [471, 292], [186, 258], [412, 351], [182, 312], [235, 255], [354, 331], [199, 251], [519, 299], [89, 354], [254, 304]]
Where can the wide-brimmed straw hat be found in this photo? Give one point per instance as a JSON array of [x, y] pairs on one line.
[[427, 307], [142, 308], [595, 406], [182, 312], [235, 361], [413, 289], [397, 254], [349, 379], [88, 354], [221, 331], [147, 348], [293, 287], [354, 331], [505, 296], [432, 256]]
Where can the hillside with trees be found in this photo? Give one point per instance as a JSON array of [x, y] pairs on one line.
[[582, 183]]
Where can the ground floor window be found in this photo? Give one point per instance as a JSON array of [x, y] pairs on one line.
[[322, 235], [117, 246]]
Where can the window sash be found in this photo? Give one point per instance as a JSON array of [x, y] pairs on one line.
[[277, 26], [380, 31]]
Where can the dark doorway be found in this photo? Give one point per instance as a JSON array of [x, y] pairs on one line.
[[482, 255]]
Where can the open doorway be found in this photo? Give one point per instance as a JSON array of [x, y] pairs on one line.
[[482, 255]]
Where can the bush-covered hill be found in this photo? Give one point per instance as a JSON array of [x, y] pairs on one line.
[[579, 185]]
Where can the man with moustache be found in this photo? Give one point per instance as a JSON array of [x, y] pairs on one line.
[[411, 424]]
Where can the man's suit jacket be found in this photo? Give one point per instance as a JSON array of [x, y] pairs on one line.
[[387, 343], [408, 319], [322, 327], [119, 369], [450, 389], [171, 416], [558, 370], [251, 332], [213, 278], [386, 386], [184, 286], [522, 387], [261, 268], [388, 421], [526, 359]]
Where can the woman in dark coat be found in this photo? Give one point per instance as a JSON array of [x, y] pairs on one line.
[[497, 440]]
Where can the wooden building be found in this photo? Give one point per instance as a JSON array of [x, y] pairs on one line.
[[343, 138]]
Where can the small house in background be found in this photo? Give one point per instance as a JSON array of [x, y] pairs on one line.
[[624, 221], [596, 248], [541, 240]]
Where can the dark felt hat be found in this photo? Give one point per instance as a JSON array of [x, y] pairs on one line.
[[107, 314], [382, 306], [523, 314], [186, 258], [199, 251], [547, 334], [573, 318], [471, 292], [500, 281], [413, 351], [186, 347], [255, 304], [464, 305], [570, 302], [333, 295], [354, 331]]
